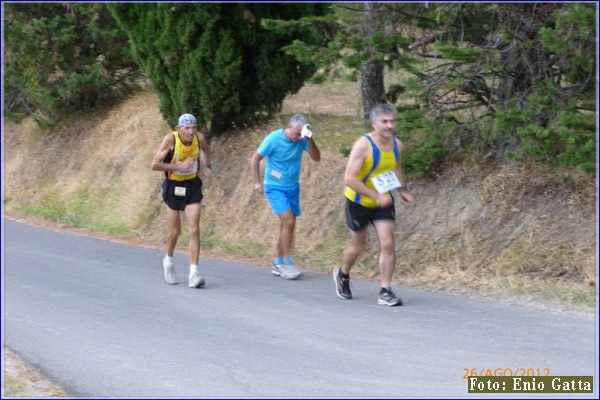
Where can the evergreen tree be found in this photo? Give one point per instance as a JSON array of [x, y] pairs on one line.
[[506, 80], [215, 60], [63, 58]]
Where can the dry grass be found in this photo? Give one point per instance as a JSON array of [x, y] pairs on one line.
[[339, 98]]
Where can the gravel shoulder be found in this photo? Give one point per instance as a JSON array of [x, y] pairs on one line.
[[22, 381]]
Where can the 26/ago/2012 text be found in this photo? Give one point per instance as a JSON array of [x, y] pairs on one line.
[[505, 372]]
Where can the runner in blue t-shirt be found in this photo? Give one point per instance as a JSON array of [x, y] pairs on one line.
[[283, 150]]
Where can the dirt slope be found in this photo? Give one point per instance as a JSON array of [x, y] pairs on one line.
[[508, 227]]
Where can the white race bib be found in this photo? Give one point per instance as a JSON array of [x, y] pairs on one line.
[[180, 191], [385, 182]]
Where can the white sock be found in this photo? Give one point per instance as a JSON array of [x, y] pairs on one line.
[[169, 258], [193, 268]]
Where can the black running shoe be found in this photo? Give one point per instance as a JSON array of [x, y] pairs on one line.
[[388, 298], [342, 285]]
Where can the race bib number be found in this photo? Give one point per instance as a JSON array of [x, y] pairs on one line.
[[189, 171], [385, 182]]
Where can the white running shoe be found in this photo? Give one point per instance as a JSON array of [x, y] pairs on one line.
[[169, 267], [195, 280], [286, 271]]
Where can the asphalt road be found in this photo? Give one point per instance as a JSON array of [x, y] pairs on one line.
[[97, 318]]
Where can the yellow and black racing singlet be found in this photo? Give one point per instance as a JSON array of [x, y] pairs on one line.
[[378, 162], [182, 152]]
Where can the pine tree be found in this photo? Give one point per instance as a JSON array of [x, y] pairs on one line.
[[500, 80], [63, 58], [215, 60]]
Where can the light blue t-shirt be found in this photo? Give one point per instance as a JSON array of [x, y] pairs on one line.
[[284, 158]]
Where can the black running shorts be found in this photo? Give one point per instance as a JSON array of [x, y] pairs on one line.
[[357, 216], [173, 197]]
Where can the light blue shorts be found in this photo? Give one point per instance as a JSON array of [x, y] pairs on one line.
[[284, 198]]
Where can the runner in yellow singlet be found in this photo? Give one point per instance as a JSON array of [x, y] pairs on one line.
[[372, 173], [179, 156]]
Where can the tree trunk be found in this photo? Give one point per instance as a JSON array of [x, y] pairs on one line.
[[371, 89]]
